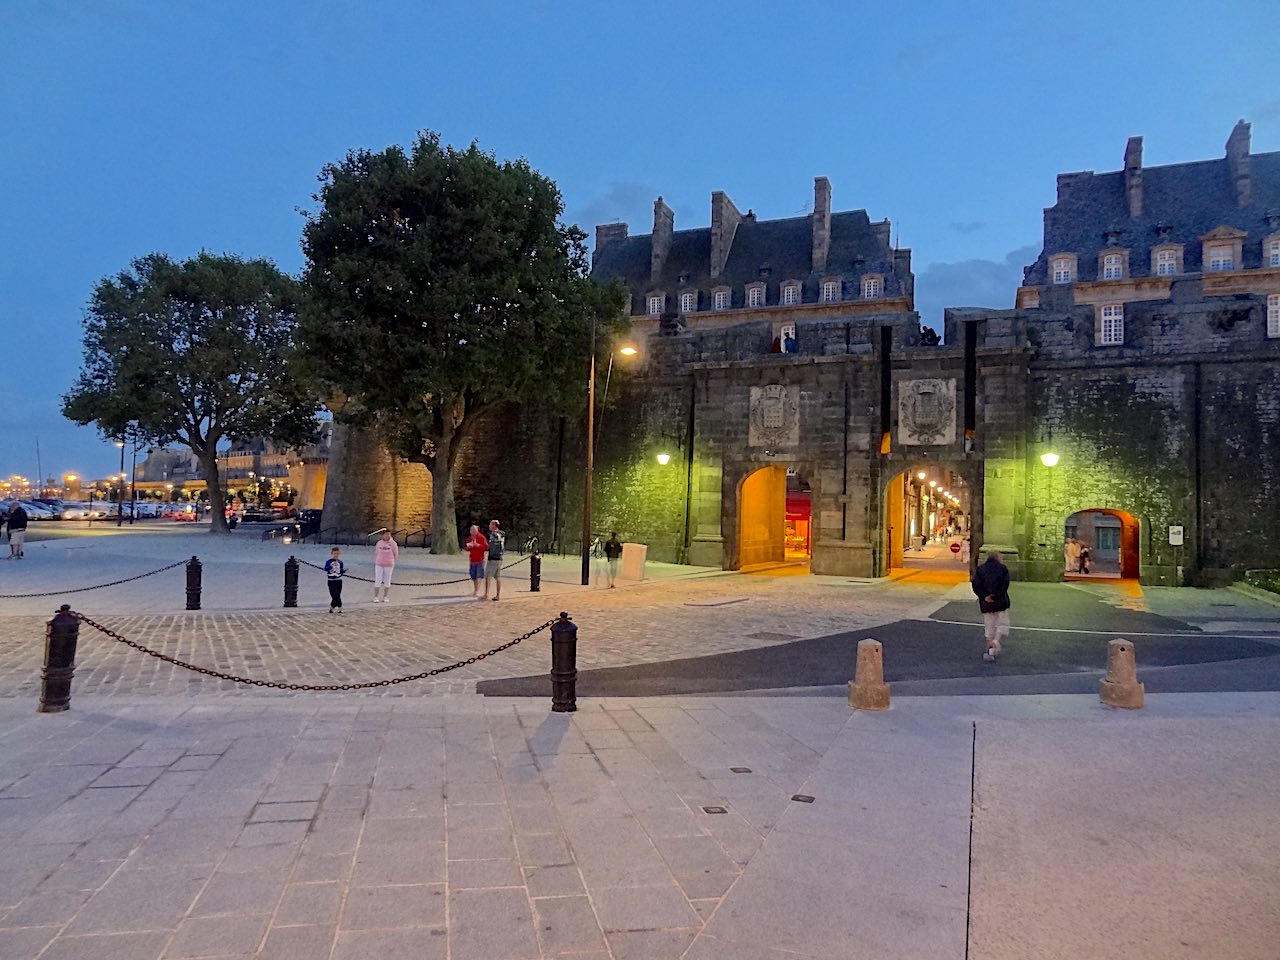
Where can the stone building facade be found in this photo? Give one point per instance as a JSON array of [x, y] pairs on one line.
[[1141, 350]]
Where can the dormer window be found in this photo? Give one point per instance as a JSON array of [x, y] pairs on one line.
[[755, 295], [1166, 261], [720, 299], [1271, 252], [688, 302], [657, 302], [1221, 250], [871, 287], [830, 291], [1112, 266], [791, 294], [1063, 269]]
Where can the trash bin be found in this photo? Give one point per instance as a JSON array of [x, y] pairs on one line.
[[633, 557]]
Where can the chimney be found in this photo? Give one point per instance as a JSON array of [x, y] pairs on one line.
[[724, 223], [664, 221], [821, 223], [608, 234], [1067, 182], [1238, 162], [1133, 175]]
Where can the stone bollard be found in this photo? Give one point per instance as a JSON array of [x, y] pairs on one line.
[[868, 691], [60, 637], [193, 583], [291, 582], [535, 571], [564, 665], [1120, 687]]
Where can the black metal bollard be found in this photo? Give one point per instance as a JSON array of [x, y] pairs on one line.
[[194, 566], [535, 571], [60, 637], [564, 665], [291, 582]]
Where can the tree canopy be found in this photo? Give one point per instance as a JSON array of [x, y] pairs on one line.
[[440, 283], [198, 352]]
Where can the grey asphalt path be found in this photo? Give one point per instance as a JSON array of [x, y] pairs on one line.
[[1058, 645], [703, 828]]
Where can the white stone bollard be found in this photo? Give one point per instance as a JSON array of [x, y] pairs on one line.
[[1120, 687], [868, 691]]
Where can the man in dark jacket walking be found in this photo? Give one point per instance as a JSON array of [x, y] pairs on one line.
[[991, 587], [17, 531]]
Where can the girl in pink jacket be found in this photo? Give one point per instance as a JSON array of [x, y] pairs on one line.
[[385, 554]]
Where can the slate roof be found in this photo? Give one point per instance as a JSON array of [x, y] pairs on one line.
[[1190, 199], [785, 246]]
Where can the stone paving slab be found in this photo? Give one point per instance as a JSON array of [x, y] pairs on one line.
[[456, 826]]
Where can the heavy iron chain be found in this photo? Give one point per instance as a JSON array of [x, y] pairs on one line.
[[433, 583], [113, 583], [321, 687]]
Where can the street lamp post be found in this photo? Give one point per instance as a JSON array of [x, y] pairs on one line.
[[627, 351], [133, 482], [120, 496], [591, 449]]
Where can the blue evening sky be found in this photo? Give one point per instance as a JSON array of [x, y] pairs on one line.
[[130, 126]]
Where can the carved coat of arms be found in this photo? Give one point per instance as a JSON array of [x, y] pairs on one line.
[[926, 412], [774, 419]]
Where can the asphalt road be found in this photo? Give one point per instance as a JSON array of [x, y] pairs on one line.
[[1058, 645]]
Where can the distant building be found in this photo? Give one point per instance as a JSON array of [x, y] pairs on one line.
[[1130, 398]]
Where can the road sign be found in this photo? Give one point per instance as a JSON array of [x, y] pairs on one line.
[[955, 548]]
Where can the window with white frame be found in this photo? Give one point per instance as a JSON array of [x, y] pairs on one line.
[[1221, 258], [1273, 315], [870, 288], [1273, 253], [722, 300], [1166, 263], [1112, 324], [688, 302], [791, 294], [1062, 272], [1112, 266], [755, 297], [656, 303], [830, 291]]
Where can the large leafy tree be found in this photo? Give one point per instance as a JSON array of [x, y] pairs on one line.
[[197, 352], [440, 283]]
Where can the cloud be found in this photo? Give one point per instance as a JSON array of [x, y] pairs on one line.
[[927, 49], [970, 226], [970, 283], [1267, 111], [622, 200]]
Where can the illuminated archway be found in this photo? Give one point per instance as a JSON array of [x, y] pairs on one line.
[[929, 508], [1101, 542], [762, 514]]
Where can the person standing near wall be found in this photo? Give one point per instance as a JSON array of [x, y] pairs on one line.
[[612, 551], [991, 587], [477, 547], [493, 569], [385, 555]]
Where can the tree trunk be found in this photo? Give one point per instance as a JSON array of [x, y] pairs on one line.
[[444, 515], [217, 502]]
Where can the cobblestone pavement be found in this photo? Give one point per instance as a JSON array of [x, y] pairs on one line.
[[639, 623]]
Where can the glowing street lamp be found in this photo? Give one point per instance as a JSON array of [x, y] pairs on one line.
[[627, 350], [1049, 458], [664, 458]]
